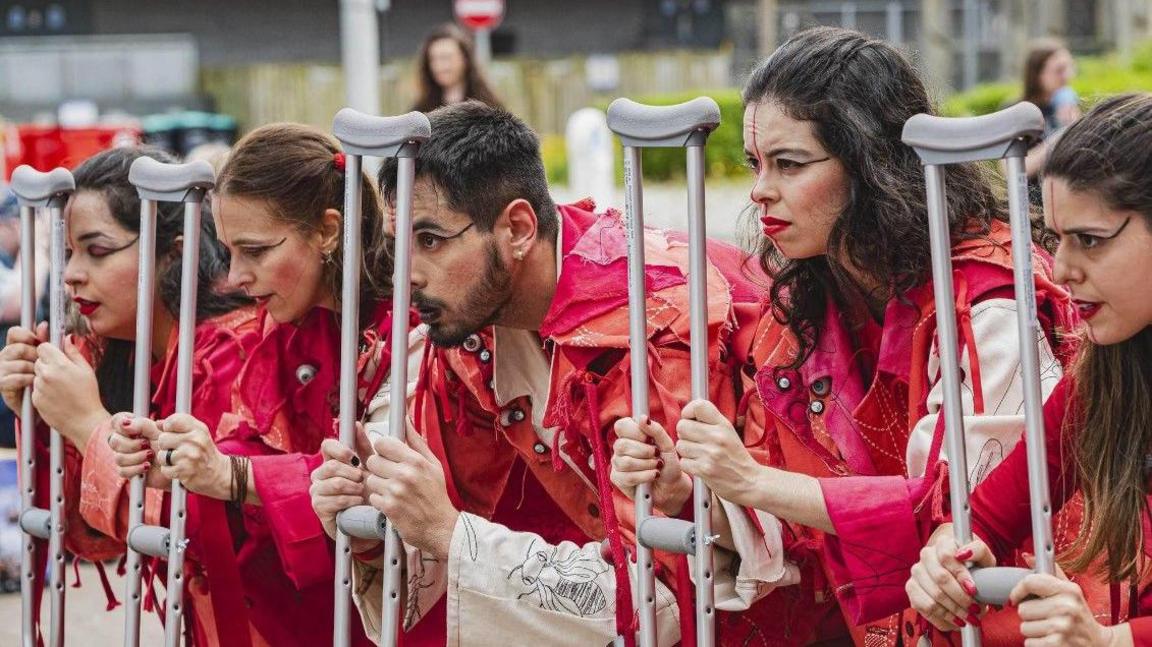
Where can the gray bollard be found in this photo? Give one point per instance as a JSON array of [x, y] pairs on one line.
[[398, 137], [684, 125], [940, 141], [47, 192]]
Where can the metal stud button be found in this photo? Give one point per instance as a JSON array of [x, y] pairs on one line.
[[783, 383], [305, 373], [816, 407]]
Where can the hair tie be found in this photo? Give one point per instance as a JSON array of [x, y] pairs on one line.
[[338, 161]]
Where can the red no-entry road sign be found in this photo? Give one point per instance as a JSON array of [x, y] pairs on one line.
[[479, 14]]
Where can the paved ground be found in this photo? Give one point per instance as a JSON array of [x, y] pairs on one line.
[[88, 624], [91, 626]]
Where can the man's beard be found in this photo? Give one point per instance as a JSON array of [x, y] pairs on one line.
[[483, 305]]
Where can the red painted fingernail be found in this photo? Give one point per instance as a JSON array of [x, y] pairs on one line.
[[958, 622], [964, 554], [659, 465], [973, 620], [969, 586], [150, 455], [126, 422], [974, 608]]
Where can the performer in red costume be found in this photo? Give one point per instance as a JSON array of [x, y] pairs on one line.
[[260, 555], [76, 387], [1096, 200], [502, 494], [847, 370]]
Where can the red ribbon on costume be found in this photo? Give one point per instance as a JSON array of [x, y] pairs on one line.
[[339, 161]]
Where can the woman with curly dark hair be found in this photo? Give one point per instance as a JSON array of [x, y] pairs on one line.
[[846, 369]]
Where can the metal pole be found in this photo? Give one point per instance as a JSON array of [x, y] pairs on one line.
[[483, 47], [397, 416], [943, 289], [971, 43], [1029, 331], [28, 424], [56, 452], [141, 406], [349, 352], [698, 344], [179, 503], [638, 338]]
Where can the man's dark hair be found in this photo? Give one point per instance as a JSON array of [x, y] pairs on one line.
[[479, 159]]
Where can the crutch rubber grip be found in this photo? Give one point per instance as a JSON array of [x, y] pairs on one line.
[[362, 522], [684, 124], [993, 584], [36, 189], [36, 522], [150, 540], [669, 535], [951, 140], [155, 180], [364, 134]]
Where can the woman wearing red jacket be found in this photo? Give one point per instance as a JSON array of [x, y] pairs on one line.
[[278, 206], [76, 387], [1097, 199]]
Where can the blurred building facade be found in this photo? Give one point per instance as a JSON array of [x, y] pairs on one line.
[[273, 58]]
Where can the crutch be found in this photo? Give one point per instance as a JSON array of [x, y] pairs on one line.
[[938, 141], [46, 191], [159, 182], [684, 125], [399, 137]]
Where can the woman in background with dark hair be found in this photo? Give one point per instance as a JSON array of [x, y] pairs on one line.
[[846, 368], [1048, 70], [449, 72], [77, 386]]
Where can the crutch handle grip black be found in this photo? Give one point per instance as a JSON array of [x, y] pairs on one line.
[[993, 584], [684, 124], [362, 522], [36, 522], [669, 535], [952, 140], [155, 180], [364, 134], [150, 540], [36, 189]]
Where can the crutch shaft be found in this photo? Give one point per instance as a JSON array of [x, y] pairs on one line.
[[349, 330], [638, 340], [698, 347], [1028, 328], [141, 408], [57, 302], [27, 425]]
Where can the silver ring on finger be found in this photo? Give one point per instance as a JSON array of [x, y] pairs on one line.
[[168, 457]]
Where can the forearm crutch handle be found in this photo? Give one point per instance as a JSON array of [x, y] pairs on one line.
[[400, 137], [938, 141], [684, 125], [48, 192], [156, 182]]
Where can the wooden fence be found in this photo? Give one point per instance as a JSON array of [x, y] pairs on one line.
[[543, 92]]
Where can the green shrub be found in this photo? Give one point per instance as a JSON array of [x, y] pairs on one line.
[[1098, 77]]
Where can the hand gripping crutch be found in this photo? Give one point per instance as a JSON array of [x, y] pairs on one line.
[[398, 137], [159, 182], [684, 125], [1002, 135], [48, 191]]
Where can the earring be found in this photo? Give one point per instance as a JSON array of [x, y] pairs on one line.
[[519, 254]]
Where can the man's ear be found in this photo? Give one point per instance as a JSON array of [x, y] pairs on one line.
[[331, 222], [523, 227]]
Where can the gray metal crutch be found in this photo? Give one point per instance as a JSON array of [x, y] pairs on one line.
[[684, 125], [1002, 135], [49, 192], [398, 137], [159, 182]]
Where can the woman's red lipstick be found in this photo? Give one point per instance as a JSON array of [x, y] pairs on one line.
[[773, 226], [86, 307], [1088, 309]]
